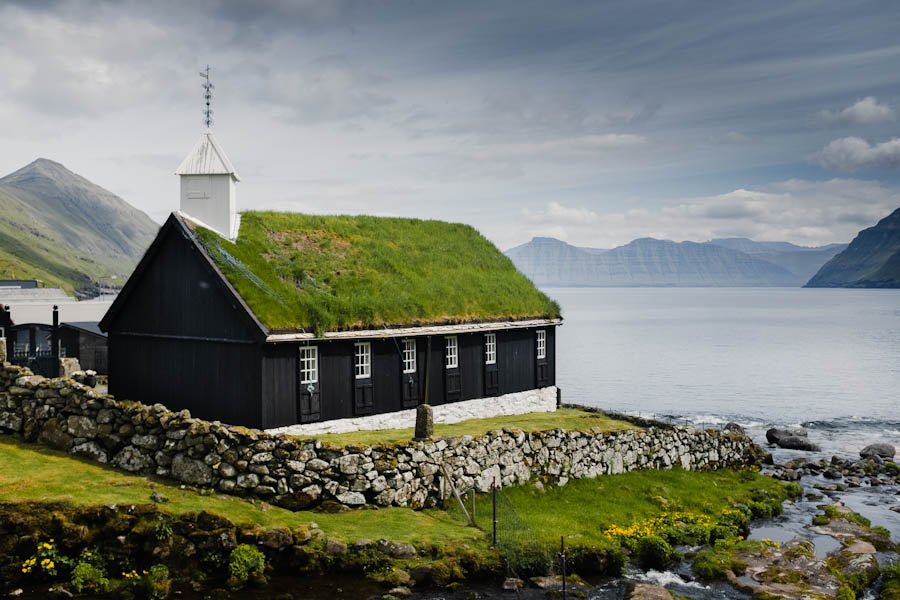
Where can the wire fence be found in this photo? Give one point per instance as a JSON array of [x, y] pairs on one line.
[[524, 551]]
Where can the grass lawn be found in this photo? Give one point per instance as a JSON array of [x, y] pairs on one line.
[[564, 418], [324, 273], [581, 510], [31, 472], [584, 508]]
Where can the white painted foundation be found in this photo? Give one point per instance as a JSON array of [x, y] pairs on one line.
[[519, 403]]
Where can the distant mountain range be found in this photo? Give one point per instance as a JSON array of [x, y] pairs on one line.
[[59, 227], [871, 260], [731, 262]]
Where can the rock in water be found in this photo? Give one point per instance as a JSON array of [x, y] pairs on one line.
[[792, 439], [774, 435], [645, 591], [879, 450], [798, 443]]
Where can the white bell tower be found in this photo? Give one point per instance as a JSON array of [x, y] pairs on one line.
[[208, 187], [208, 179]]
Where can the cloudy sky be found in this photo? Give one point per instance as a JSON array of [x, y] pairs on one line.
[[593, 122]]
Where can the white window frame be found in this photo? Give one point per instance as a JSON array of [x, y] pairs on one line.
[[409, 356], [362, 362], [451, 345], [490, 348], [541, 343], [309, 364]]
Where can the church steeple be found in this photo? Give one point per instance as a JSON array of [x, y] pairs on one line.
[[208, 180]]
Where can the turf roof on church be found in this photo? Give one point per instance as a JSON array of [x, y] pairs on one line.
[[330, 273]]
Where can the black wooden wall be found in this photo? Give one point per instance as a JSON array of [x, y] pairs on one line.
[[182, 340], [516, 363]]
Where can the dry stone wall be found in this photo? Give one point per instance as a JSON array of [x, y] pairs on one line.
[[296, 474]]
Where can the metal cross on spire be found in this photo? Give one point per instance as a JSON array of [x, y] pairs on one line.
[[207, 95]]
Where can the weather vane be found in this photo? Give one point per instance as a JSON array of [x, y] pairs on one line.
[[207, 94]]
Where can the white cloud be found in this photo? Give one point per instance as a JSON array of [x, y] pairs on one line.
[[803, 212], [851, 153], [867, 111]]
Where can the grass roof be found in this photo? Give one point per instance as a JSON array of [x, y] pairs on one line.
[[329, 273]]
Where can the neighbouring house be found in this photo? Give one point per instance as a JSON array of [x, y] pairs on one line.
[[85, 341], [40, 346], [268, 319]]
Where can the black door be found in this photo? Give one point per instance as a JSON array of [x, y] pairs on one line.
[[363, 397], [409, 384], [541, 371], [491, 380], [310, 409], [452, 385]]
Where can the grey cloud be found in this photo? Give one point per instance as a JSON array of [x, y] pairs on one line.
[[803, 212], [852, 153], [867, 111]]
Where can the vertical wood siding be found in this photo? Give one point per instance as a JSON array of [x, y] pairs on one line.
[[213, 381]]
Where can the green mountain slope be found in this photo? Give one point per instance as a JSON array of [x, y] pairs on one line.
[[871, 260], [61, 228]]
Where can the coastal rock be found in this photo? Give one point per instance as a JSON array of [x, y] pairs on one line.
[[775, 435], [734, 428], [645, 591], [798, 443], [512, 584], [880, 450]]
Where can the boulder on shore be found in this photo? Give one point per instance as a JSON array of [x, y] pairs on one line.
[[798, 443], [879, 450], [774, 435], [791, 439]]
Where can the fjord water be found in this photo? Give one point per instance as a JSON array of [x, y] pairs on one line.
[[827, 359]]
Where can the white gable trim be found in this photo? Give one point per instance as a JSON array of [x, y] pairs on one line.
[[414, 331]]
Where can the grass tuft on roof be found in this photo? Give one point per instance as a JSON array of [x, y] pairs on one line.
[[331, 273]]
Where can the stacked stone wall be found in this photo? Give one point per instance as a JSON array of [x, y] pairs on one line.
[[297, 474]]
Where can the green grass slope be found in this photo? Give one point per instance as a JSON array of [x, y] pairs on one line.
[[327, 273], [61, 228], [871, 260]]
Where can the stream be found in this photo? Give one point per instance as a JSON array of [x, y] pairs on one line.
[[873, 503]]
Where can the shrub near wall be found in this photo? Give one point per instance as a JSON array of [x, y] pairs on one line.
[[298, 474]]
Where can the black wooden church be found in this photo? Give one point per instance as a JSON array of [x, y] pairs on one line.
[[272, 319]]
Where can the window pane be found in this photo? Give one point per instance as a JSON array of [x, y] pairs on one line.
[[363, 359], [309, 364], [452, 355], [409, 356], [490, 348]]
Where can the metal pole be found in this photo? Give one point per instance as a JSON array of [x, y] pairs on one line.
[[494, 502], [562, 555], [473, 507]]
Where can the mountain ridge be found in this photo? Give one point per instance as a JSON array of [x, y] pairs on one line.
[[652, 262], [57, 226], [872, 260]]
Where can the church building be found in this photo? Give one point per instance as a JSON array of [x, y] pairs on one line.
[[269, 320]]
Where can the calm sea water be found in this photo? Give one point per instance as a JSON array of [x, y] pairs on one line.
[[825, 359]]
